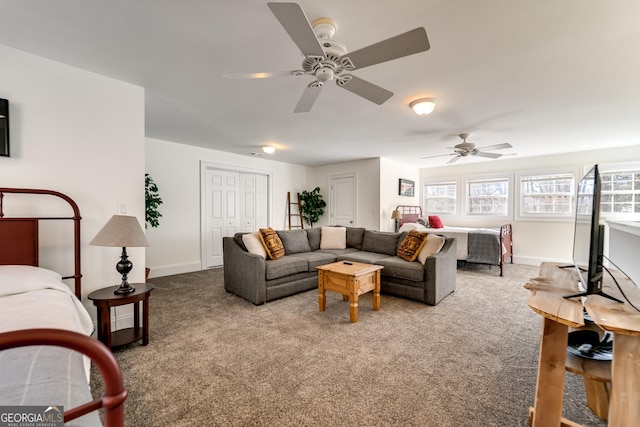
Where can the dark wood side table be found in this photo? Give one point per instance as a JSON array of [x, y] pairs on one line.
[[104, 299]]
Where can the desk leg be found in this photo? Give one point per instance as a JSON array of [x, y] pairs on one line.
[[624, 407], [551, 367]]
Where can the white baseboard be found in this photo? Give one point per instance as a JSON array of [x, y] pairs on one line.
[[526, 260], [169, 270]]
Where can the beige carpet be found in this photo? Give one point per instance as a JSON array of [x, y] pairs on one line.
[[215, 359]]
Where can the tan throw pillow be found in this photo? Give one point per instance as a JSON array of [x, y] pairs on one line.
[[253, 243], [432, 246], [412, 245], [272, 243], [333, 238]]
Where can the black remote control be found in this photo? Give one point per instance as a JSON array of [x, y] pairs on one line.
[[348, 263]]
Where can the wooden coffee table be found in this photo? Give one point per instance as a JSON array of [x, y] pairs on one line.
[[350, 280]]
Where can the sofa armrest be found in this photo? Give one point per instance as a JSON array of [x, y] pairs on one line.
[[244, 273], [440, 272]]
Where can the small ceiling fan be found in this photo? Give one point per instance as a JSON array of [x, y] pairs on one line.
[[465, 149], [326, 59]]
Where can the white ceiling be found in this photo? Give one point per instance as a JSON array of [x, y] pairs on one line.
[[547, 76]]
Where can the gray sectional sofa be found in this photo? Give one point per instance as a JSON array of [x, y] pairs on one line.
[[260, 280]]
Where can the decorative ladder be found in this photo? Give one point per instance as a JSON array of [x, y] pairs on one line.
[[297, 213]]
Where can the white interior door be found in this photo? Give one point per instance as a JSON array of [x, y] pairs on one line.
[[221, 212], [342, 199]]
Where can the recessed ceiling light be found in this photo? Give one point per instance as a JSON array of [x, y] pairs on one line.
[[268, 149], [423, 106]]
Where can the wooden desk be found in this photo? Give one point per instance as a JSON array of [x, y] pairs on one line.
[[559, 313]]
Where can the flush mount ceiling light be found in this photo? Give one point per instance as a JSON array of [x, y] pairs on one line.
[[423, 106], [268, 149]]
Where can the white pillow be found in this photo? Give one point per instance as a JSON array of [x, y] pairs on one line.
[[254, 244], [432, 247], [333, 238]]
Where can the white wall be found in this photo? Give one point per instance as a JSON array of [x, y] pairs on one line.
[[536, 241], [368, 189], [390, 174], [81, 134], [175, 168]]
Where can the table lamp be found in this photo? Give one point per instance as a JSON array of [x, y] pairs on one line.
[[122, 231], [395, 216]]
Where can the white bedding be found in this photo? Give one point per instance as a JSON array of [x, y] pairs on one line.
[[34, 297]]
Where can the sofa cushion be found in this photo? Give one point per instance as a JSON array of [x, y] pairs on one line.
[[272, 243], [362, 256], [397, 267], [381, 242], [432, 246], [333, 238], [412, 245], [253, 244], [317, 258], [313, 235], [338, 252], [355, 237], [285, 266], [294, 241]]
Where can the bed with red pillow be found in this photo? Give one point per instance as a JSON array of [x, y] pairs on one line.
[[492, 246]]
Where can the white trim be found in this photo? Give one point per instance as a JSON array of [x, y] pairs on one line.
[[171, 269]]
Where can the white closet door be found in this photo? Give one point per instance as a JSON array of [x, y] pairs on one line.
[[262, 201], [247, 202], [221, 210]]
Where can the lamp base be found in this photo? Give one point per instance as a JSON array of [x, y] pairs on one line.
[[124, 289]]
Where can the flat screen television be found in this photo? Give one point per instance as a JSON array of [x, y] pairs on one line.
[[588, 237]]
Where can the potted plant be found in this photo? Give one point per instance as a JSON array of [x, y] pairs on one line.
[[152, 202], [312, 206]]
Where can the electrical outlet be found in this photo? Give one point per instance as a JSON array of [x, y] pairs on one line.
[[123, 209]]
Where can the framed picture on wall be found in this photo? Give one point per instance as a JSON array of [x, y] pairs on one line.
[[4, 127], [406, 187]]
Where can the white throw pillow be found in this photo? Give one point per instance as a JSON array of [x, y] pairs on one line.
[[432, 247], [333, 238], [254, 244]]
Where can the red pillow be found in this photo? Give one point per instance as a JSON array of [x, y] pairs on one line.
[[435, 221]]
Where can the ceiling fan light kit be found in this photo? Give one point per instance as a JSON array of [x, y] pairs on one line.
[[326, 59], [423, 106]]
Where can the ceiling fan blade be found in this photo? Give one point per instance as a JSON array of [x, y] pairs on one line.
[[296, 24], [405, 44], [261, 75], [307, 99], [490, 155], [439, 155], [496, 147], [367, 90], [455, 159]]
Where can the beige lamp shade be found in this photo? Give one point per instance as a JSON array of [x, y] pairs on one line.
[[121, 231], [396, 215]]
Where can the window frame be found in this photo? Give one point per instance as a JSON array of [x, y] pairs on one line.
[[440, 181], [612, 168], [519, 197], [507, 176]]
